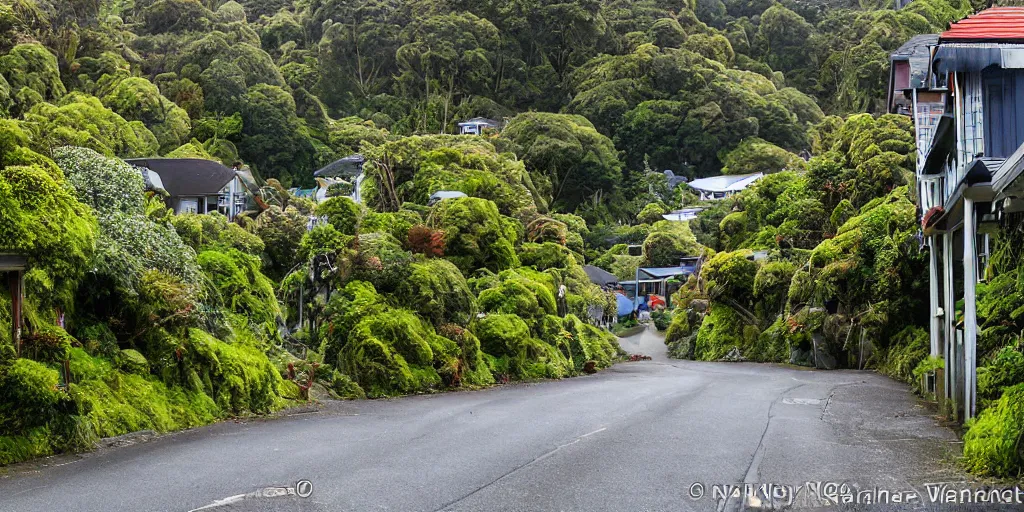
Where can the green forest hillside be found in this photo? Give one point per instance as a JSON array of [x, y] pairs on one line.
[[136, 318]]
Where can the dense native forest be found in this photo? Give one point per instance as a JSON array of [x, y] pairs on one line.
[[136, 318]]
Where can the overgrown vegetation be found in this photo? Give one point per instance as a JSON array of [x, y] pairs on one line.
[[170, 321]]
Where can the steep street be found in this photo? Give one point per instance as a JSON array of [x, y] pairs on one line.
[[635, 437]]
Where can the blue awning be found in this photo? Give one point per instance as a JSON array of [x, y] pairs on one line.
[[624, 304]]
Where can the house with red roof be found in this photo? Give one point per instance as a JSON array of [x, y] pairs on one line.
[[964, 89]]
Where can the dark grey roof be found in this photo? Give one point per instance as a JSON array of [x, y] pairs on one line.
[[982, 169], [1004, 180], [349, 166], [915, 46], [673, 180], [600, 276], [918, 53], [188, 176]]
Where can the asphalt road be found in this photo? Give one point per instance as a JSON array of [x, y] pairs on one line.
[[636, 437]]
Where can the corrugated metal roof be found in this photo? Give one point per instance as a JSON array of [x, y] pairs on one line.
[[995, 24]]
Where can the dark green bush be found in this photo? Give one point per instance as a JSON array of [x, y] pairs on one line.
[[662, 319]]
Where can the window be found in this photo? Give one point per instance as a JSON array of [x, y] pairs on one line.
[[189, 205], [1004, 111]]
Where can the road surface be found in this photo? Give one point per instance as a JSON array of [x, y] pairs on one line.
[[637, 437]]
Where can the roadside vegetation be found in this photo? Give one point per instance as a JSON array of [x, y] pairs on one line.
[[136, 318]]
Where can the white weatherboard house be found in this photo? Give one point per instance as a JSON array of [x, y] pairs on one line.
[[721, 187], [965, 91]]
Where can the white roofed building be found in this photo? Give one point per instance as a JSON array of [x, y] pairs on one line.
[[720, 187]]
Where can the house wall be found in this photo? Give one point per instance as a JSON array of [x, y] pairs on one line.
[[902, 76], [208, 203], [1004, 109]]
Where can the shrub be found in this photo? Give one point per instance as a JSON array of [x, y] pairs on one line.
[[730, 274], [344, 387], [519, 296], [376, 366], [547, 255], [651, 213], [513, 352], [44, 221], [908, 349], [661, 319], [1005, 370], [29, 391], [237, 277], [473, 367], [992, 445], [342, 212], [721, 330], [476, 235], [437, 290], [132, 361], [426, 241], [680, 335], [238, 376]]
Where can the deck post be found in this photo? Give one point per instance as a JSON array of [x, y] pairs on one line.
[[970, 311], [933, 295], [949, 316]]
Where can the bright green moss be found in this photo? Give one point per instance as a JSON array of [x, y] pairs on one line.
[[32, 65], [131, 361], [991, 445], [547, 255], [375, 366], [342, 212], [137, 99], [437, 290], [731, 274], [241, 377], [395, 223], [587, 343], [476, 235], [506, 338], [721, 331], [344, 387], [680, 337], [19, 448], [242, 285]]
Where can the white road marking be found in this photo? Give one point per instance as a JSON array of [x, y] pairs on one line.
[[219, 503]]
